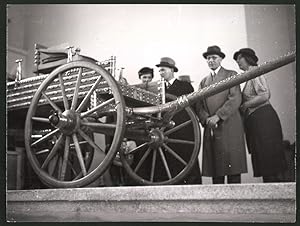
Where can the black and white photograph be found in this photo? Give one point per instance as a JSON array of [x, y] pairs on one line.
[[151, 113]]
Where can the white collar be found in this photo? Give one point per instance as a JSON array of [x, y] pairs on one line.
[[172, 80], [216, 71]]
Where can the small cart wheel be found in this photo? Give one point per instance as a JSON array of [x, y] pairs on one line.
[[169, 155]]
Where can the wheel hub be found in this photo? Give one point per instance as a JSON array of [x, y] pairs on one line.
[[67, 122], [157, 138]]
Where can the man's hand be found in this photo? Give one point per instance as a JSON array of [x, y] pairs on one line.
[[212, 121]]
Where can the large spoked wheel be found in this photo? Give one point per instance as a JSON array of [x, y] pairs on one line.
[[169, 155], [61, 123]]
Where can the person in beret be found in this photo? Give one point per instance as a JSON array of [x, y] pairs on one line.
[[224, 152], [146, 74], [262, 125]]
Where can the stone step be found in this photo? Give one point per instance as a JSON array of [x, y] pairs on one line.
[[274, 202]]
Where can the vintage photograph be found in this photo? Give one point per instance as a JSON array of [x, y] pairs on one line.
[[151, 112]]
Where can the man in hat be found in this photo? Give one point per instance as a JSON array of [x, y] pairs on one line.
[[175, 87], [224, 151]]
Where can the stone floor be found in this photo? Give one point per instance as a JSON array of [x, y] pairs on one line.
[[179, 203]]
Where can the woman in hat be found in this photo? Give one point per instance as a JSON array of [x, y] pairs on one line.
[[262, 124], [146, 74]]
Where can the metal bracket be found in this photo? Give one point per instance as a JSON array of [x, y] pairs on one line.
[[18, 72], [70, 53]]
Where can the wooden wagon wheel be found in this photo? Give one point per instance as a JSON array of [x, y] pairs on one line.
[[160, 153], [61, 156]]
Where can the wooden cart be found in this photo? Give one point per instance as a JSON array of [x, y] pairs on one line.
[[64, 110]]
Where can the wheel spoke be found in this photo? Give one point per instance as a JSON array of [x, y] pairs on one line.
[[79, 154], [153, 164], [142, 159], [51, 102], [178, 141], [137, 148], [65, 159], [172, 152], [72, 169], [180, 126], [76, 91], [78, 176], [86, 157], [46, 137], [52, 152], [59, 166], [63, 92], [52, 165], [91, 142], [40, 119], [80, 143], [84, 114], [88, 95], [42, 151], [165, 162], [36, 136]]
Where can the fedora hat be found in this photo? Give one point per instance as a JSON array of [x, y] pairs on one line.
[[246, 52], [145, 70], [186, 78], [213, 50], [167, 62]]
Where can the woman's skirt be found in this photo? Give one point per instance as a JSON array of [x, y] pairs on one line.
[[265, 142]]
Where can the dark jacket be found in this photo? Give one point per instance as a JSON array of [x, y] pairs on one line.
[[179, 88]]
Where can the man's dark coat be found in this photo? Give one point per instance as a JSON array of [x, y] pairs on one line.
[[179, 88]]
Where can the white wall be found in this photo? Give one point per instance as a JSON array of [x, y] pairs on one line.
[[139, 35], [271, 32], [15, 39]]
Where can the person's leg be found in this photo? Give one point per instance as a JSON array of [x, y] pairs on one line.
[[218, 180], [272, 179], [234, 179], [268, 179], [192, 179], [194, 176], [114, 175]]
